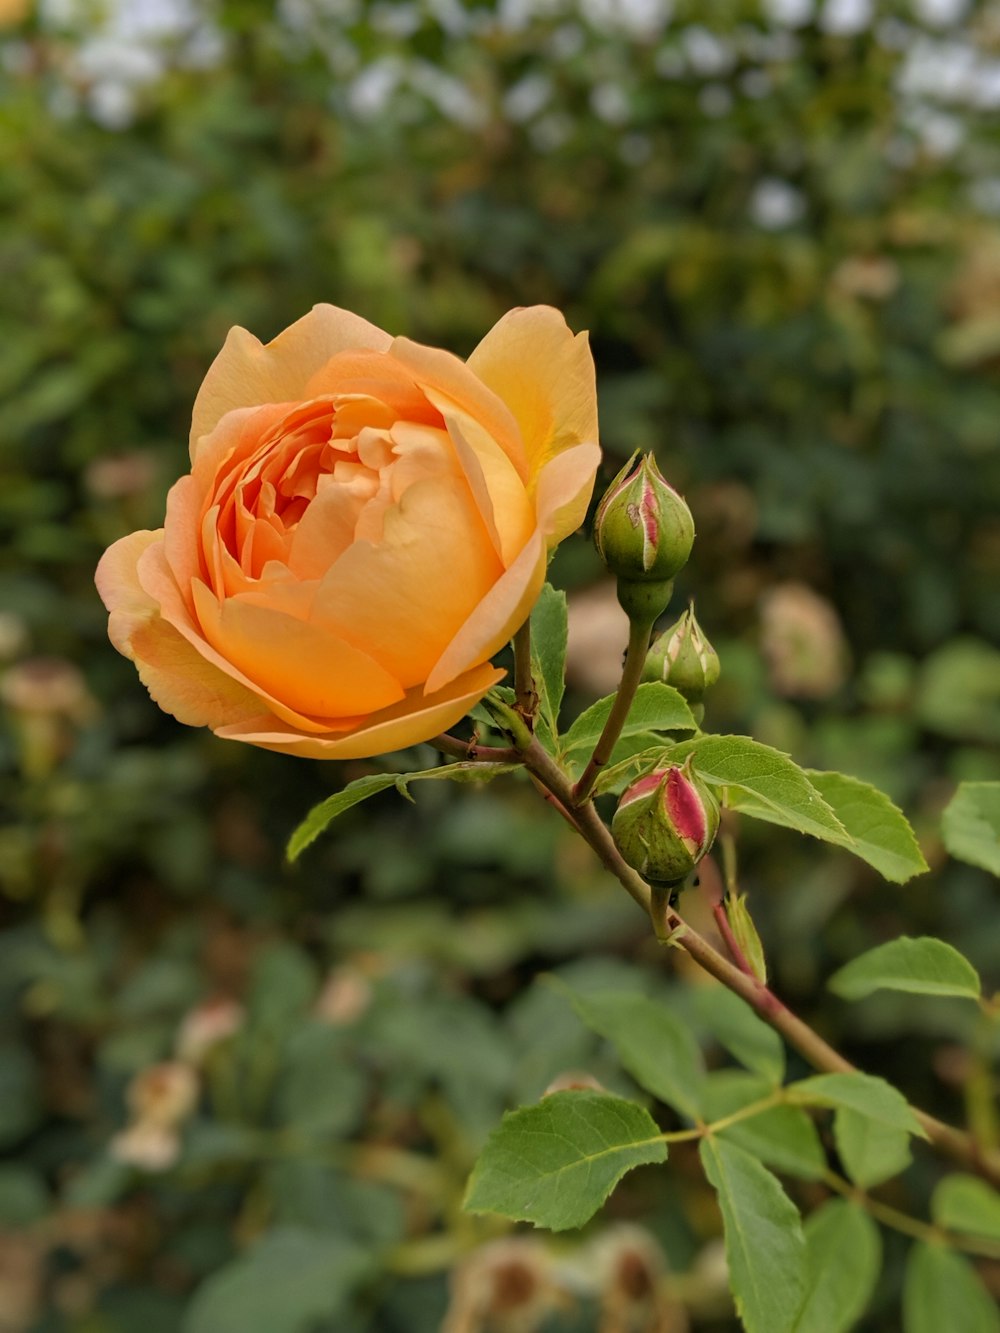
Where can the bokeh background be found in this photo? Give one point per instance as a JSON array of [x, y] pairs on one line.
[[235, 1095]]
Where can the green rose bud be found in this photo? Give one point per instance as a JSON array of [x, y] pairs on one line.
[[665, 823], [683, 657], [643, 529]]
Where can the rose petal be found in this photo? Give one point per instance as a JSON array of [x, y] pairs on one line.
[[297, 661], [180, 680], [448, 383], [128, 603], [157, 581], [407, 596], [498, 490], [247, 372], [565, 485], [177, 677], [503, 610], [416, 719], [545, 375]]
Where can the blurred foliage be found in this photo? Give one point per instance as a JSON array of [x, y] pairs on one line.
[[779, 225]]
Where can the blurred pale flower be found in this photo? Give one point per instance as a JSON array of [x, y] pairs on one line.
[[164, 1094], [50, 685], [868, 277], [802, 642], [630, 1268], [148, 1146], [345, 996], [160, 1098], [506, 1286], [574, 1080], [204, 1026]]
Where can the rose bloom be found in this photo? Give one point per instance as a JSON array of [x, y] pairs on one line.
[[366, 522]]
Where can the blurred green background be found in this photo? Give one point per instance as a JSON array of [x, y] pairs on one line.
[[780, 224]]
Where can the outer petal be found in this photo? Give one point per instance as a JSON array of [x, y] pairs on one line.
[[502, 611], [177, 677], [128, 603], [416, 719], [565, 485], [247, 373], [305, 666], [180, 680], [545, 375], [157, 580]]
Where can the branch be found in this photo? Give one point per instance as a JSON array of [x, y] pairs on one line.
[[635, 658], [955, 1143]]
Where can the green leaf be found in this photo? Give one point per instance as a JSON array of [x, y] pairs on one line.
[[878, 831], [548, 658], [287, 1283], [843, 1258], [737, 1028], [870, 825], [966, 1203], [923, 966], [656, 1048], [864, 1093], [763, 782], [971, 825], [362, 788], [783, 1137], [656, 707], [871, 1152], [554, 1164], [942, 1291], [765, 1247]]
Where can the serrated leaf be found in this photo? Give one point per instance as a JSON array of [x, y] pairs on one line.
[[554, 1164], [289, 1281], [879, 832], [782, 1137], [843, 1258], [966, 1203], [779, 790], [656, 1048], [870, 1152], [942, 1291], [923, 966], [765, 1247], [864, 1093], [362, 788], [737, 1028], [656, 707], [548, 659], [970, 825], [873, 828]]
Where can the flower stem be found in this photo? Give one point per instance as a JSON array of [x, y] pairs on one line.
[[526, 697], [635, 656]]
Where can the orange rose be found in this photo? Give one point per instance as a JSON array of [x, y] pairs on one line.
[[366, 522]]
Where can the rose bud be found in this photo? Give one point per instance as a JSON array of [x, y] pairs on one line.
[[683, 657], [644, 532], [665, 823]]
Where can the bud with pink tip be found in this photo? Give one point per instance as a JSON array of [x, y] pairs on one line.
[[665, 823], [644, 532]]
